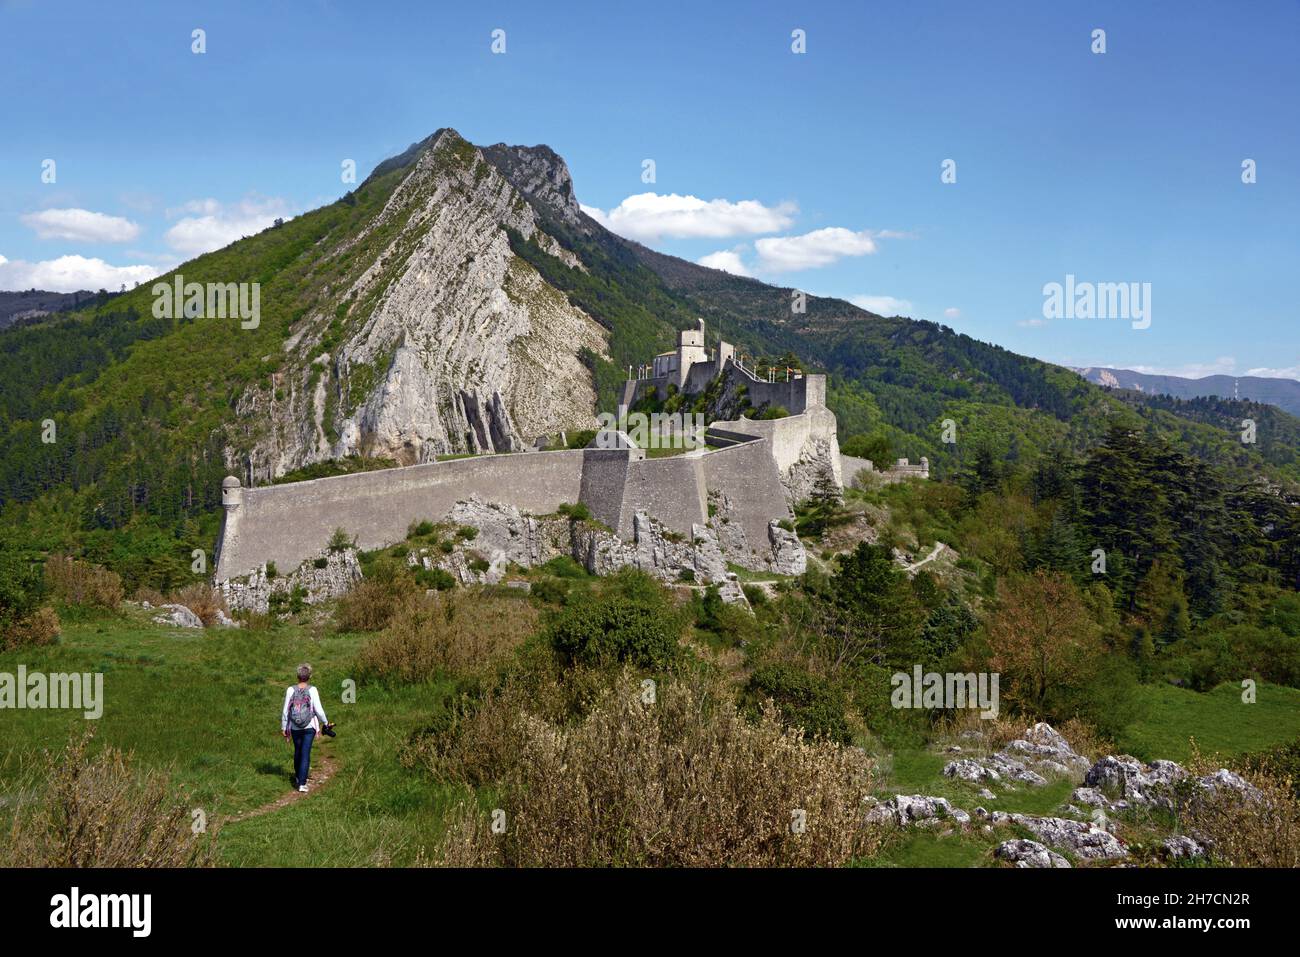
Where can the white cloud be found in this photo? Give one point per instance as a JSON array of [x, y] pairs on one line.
[[81, 225], [71, 273], [211, 225], [646, 217], [952, 312], [883, 305], [821, 247], [1224, 365], [1291, 372], [728, 260]]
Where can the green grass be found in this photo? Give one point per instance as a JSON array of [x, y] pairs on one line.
[[207, 705], [1218, 720]]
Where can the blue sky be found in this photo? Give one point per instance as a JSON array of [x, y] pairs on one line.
[[818, 170]]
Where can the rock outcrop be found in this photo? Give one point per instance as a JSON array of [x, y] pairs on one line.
[[1117, 783], [446, 341], [1041, 754], [327, 576], [1026, 853], [917, 809]]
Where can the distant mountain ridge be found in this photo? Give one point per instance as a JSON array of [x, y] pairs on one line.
[[1283, 393], [34, 303]]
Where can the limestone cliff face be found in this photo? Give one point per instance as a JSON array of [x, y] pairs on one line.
[[444, 341]]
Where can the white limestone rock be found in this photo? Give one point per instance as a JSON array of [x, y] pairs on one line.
[[179, 616], [1026, 853]]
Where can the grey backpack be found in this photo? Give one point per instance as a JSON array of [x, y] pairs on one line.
[[300, 709]]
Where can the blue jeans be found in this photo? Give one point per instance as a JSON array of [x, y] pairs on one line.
[[302, 753]]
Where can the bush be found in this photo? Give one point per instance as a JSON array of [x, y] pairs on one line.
[[420, 529], [1244, 830], [634, 624], [321, 562], [340, 541], [292, 602], [75, 582], [467, 533], [202, 599], [805, 700], [578, 512], [563, 566], [372, 602], [99, 812], [438, 578], [684, 781], [23, 591], [460, 634], [41, 627]]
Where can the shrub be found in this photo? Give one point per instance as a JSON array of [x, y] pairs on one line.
[[683, 782], [553, 591], [271, 571], [40, 627], [805, 700], [775, 412], [75, 582], [754, 594], [475, 738], [478, 564], [321, 562], [461, 634], [1246, 830], [340, 541], [24, 620], [563, 566], [371, 603], [467, 533], [420, 529], [438, 578], [446, 546], [99, 812], [200, 598], [292, 602], [638, 627], [578, 512]]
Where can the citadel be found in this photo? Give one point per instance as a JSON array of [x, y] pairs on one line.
[[681, 517]]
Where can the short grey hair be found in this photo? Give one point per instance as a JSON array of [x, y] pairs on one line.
[[304, 671]]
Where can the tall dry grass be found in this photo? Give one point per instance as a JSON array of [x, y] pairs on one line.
[[99, 811], [462, 633], [683, 782], [41, 627], [1244, 830], [76, 582]]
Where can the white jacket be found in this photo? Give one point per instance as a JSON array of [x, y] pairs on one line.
[[318, 713]]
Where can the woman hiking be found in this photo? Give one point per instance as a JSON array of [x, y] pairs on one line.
[[300, 719]]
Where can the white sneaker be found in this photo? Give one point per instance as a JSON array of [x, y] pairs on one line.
[[302, 788]]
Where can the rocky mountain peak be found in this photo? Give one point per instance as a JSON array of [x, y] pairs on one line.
[[541, 175]]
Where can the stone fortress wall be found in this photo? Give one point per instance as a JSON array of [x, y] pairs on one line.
[[749, 480]]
